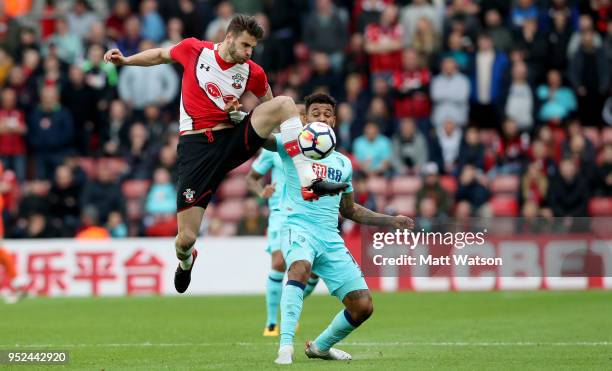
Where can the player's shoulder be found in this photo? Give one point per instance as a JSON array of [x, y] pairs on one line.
[[340, 159], [197, 43], [254, 67]]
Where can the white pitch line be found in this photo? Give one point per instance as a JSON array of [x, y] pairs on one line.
[[357, 344]]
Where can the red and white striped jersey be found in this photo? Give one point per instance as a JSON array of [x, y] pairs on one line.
[[209, 82]]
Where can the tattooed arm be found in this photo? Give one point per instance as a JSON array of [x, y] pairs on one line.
[[359, 214]]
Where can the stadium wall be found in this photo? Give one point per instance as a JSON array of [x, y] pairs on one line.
[[145, 266]]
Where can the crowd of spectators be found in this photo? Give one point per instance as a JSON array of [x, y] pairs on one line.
[[450, 95]]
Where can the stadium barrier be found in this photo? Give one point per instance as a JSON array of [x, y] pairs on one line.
[[145, 266]]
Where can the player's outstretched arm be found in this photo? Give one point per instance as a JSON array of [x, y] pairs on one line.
[[253, 180], [145, 58], [359, 214]]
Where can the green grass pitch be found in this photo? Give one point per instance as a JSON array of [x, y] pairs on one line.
[[455, 331]]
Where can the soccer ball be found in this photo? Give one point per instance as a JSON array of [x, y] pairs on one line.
[[317, 140]]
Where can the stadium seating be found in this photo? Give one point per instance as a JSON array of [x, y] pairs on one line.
[[231, 210], [405, 205], [600, 206], [378, 185], [405, 185], [504, 205], [135, 189], [506, 184], [449, 183], [234, 186]]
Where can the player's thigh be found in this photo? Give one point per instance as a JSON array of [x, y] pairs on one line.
[[339, 271], [269, 115], [296, 248]]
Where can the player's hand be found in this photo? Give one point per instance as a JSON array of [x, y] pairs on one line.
[[115, 57], [232, 105], [402, 222], [268, 191]]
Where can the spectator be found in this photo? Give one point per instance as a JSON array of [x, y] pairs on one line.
[[116, 21], [50, 133], [604, 172], [12, 134], [488, 75], [569, 194], [558, 41], [326, 32], [363, 196], [471, 150], [425, 39], [345, 117], [99, 76], [114, 134], [450, 92], [97, 35], [140, 155], [9, 31], [215, 31], [370, 13], [383, 42], [589, 73], [253, 223], [580, 149], [153, 27], [174, 32], [130, 42], [64, 200], [585, 25], [457, 50], [432, 190], [373, 150], [520, 102], [500, 35], [412, 86], [103, 194], [140, 87], [323, 77], [473, 190], [533, 44], [6, 63], [91, 228], [80, 99], [161, 199], [39, 227], [428, 215], [116, 226], [449, 137], [534, 185], [410, 151], [543, 158], [511, 149], [522, 11], [67, 44], [410, 16], [556, 101], [80, 19]]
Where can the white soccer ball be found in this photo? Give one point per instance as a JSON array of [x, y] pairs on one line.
[[317, 140]]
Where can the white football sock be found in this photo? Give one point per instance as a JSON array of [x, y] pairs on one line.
[[186, 264], [290, 130]]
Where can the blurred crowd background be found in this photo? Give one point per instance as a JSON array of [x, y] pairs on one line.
[[447, 108]]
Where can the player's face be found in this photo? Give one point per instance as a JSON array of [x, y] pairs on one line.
[[321, 112], [241, 46]]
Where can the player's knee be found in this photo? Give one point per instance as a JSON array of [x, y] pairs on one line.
[[278, 263], [286, 105], [299, 271], [361, 309], [185, 239]]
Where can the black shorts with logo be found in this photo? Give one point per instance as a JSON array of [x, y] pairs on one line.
[[204, 159]]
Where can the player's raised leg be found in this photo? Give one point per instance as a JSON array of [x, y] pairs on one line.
[[189, 221], [292, 301], [282, 111], [358, 308], [274, 290]]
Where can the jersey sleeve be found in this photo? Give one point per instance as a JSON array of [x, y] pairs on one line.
[[258, 81], [263, 163], [185, 49]]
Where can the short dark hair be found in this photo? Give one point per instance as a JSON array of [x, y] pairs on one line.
[[320, 98], [243, 22]]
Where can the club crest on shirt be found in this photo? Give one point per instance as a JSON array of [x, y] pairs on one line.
[[320, 170], [189, 195], [238, 79]]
